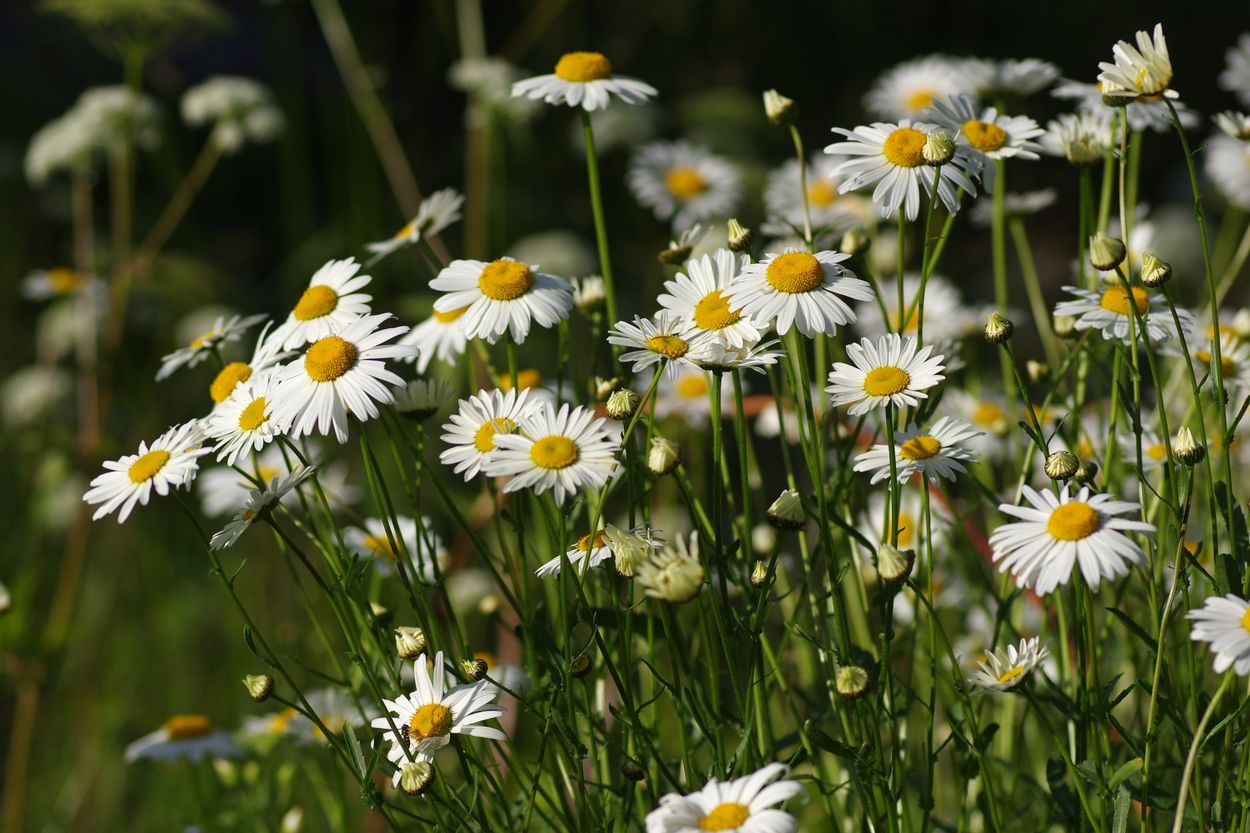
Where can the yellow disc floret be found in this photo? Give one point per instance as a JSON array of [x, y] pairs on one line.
[[316, 301], [667, 345], [505, 280], [253, 415], [148, 466], [684, 183], [794, 272], [584, 545], [580, 67], [984, 136], [1073, 521], [727, 816], [918, 100], [484, 439], [822, 193], [433, 720], [227, 379], [1115, 299], [188, 726], [329, 358], [903, 147], [554, 452], [1245, 619], [692, 386], [448, 317], [1010, 674], [920, 448], [526, 378], [886, 381], [713, 313]]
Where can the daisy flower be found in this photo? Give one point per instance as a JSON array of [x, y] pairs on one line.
[[242, 424], [502, 296], [832, 212], [908, 89], [875, 522], [170, 462], [1143, 113], [947, 316], [630, 548], [1145, 70], [1236, 75], [337, 709], [584, 79], [985, 412], [1234, 124], [745, 805], [795, 288], [983, 129], [427, 718], [888, 155], [680, 249], [57, 282], [1224, 621], [721, 358], [890, 370], [993, 79], [700, 295], [935, 453], [259, 502], [1154, 453], [267, 354], [223, 331], [667, 336], [191, 737], [339, 372], [371, 542], [683, 183], [565, 451], [441, 335], [437, 212], [1108, 312], [1004, 671], [685, 395], [674, 573], [1054, 534], [1083, 138], [1227, 164], [480, 420], [584, 552], [330, 302]]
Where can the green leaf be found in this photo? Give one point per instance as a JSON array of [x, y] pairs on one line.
[[817, 736], [1133, 627], [353, 748]]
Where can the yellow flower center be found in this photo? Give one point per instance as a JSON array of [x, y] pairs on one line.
[[530, 377], [448, 317], [1115, 300], [920, 448], [727, 816], [406, 231], [62, 280], [903, 147], [1227, 365], [581, 67], [905, 525], [693, 386], [794, 272], [316, 301], [554, 452], [984, 136], [505, 280], [1010, 674], [432, 720], [822, 193], [203, 339], [1073, 521], [670, 346], [279, 722], [584, 545], [1245, 620], [684, 183], [225, 382], [380, 545], [918, 100], [713, 313], [989, 415], [484, 439], [886, 381], [187, 726], [253, 415], [1157, 452], [330, 358], [148, 466]]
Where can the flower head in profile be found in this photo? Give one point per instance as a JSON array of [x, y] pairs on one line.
[[674, 573], [993, 79], [565, 450], [684, 183], [1083, 138], [590, 551], [1108, 312], [586, 80], [190, 737], [892, 370], [798, 289], [936, 452], [223, 331], [170, 462], [1236, 75], [59, 282], [1006, 670], [503, 296], [745, 805], [331, 301], [259, 502], [410, 543], [437, 212], [1224, 622], [1144, 70]]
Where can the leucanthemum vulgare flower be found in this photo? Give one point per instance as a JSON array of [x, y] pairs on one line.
[[190, 737], [330, 302], [683, 245], [650, 341], [1154, 452], [947, 316], [889, 156], [1226, 162], [341, 372], [427, 718], [718, 357], [992, 79], [338, 709], [908, 89], [584, 79], [673, 573], [936, 452], [266, 354], [1234, 124], [1144, 113], [242, 423], [565, 451], [685, 395], [372, 543], [441, 335], [1224, 622], [503, 296], [240, 110], [259, 502], [1054, 534], [799, 289], [1236, 75], [701, 296], [1006, 670], [223, 331], [221, 489], [1144, 70], [986, 131], [832, 212], [473, 429], [58, 282], [890, 370], [590, 550], [683, 183], [745, 805], [170, 462], [437, 212], [1109, 313], [1083, 138], [630, 548]]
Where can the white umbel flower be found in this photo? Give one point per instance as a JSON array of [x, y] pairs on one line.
[[223, 331], [191, 737], [259, 502], [472, 431], [437, 212], [745, 805], [684, 183], [668, 336], [566, 451], [503, 296], [1224, 622], [798, 289], [1145, 69], [170, 462], [701, 296], [584, 79], [1108, 312], [937, 452], [1005, 670], [890, 370], [242, 423], [330, 302], [240, 110]]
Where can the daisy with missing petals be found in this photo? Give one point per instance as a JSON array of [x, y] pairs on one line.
[[986, 131], [1109, 313], [667, 336], [341, 372], [426, 719], [1145, 70], [582, 556], [259, 502], [889, 371], [584, 79], [799, 289], [684, 183], [170, 462], [1054, 534], [566, 451], [1004, 671], [503, 296], [242, 423], [745, 805], [481, 419], [700, 295], [191, 737], [1224, 621], [889, 156], [330, 302], [721, 358], [436, 212], [223, 331], [935, 453]]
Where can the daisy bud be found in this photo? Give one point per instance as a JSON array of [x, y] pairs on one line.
[[1105, 252], [381, 615], [473, 669], [852, 681], [631, 770], [1155, 271], [855, 242], [739, 236], [622, 404], [580, 667], [675, 255], [1062, 465], [759, 574], [589, 293], [763, 538], [779, 109], [938, 149], [409, 642], [894, 565], [6, 598], [416, 778], [787, 511], [603, 387], [1187, 449], [292, 821], [1086, 473], [664, 456], [1064, 325], [1037, 371], [259, 686], [998, 328]]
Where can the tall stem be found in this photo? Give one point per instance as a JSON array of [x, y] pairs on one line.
[[596, 206]]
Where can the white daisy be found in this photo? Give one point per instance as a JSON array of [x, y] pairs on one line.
[[330, 302], [1004, 671], [1234, 124], [259, 502], [343, 371], [371, 542], [685, 395], [566, 450], [832, 212], [441, 335], [940, 451], [437, 212], [338, 710], [701, 296], [994, 79], [910, 88], [679, 249], [1236, 75], [502, 296], [668, 336], [983, 129], [875, 522], [57, 282], [1227, 164], [745, 805], [1054, 534], [221, 490], [1083, 138], [985, 412], [684, 183], [170, 462], [630, 548], [191, 737], [267, 354], [1153, 452], [1224, 621], [584, 79], [890, 370], [673, 573], [721, 358], [427, 718], [1143, 113], [481, 418], [947, 316], [1108, 312], [1145, 70], [795, 288], [1234, 356], [223, 331], [242, 423], [583, 552]]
